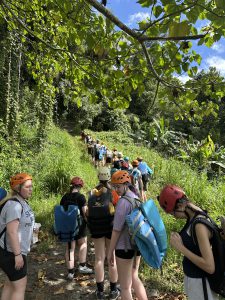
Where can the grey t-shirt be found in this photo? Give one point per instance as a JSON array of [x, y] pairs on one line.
[[123, 208], [21, 210]]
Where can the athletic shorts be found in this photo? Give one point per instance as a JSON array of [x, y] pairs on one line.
[[126, 254], [99, 236], [7, 264], [82, 231]]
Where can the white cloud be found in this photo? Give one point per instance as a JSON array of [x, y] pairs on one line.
[[217, 62], [139, 16], [218, 47], [183, 78]]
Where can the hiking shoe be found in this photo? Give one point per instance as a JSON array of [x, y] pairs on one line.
[[113, 295], [99, 295], [70, 276], [85, 270]]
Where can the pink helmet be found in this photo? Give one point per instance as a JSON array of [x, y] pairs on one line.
[[77, 181]]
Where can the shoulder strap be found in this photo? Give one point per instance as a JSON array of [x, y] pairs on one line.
[[210, 224], [134, 201]]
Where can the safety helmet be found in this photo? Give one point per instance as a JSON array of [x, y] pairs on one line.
[[77, 181], [119, 155], [169, 196], [126, 158], [19, 178], [135, 163], [104, 174], [139, 158], [120, 177], [3, 193]]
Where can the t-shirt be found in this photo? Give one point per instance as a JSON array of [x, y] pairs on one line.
[[75, 198], [123, 208], [13, 210]]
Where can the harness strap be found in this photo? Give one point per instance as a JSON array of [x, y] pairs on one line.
[[204, 288]]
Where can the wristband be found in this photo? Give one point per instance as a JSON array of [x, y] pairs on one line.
[[17, 254]]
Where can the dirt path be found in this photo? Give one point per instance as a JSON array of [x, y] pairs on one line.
[[47, 278]]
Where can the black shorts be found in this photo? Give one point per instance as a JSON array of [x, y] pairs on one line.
[[98, 236], [82, 231], [7, 264], [126, 254]]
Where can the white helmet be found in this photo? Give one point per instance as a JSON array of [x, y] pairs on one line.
[[104, 174]]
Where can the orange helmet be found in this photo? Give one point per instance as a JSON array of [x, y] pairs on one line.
[[19, 178], [120, 177], [135, 163]]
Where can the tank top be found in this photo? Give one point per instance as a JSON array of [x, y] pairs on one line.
[[190, 269]]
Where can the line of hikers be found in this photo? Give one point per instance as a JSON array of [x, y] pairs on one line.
[[104, 214]]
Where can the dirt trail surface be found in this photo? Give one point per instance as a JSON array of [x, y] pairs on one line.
[[47, 278]]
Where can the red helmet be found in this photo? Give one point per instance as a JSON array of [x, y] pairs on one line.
[[77, 181], [169, 196]]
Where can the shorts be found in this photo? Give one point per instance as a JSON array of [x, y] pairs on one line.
[[99, 236], [126, 254], [82, 232], [7, 264], [108, 160], [193, 288]]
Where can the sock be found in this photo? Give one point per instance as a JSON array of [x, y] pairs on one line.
[[71, 271], [100, 286], [113, 286], [82, 264]]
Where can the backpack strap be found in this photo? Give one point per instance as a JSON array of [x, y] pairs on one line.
[[209, 223], [1, 207]]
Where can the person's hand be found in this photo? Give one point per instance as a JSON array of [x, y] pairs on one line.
[[19, 262], [176, 241], [111, 258]]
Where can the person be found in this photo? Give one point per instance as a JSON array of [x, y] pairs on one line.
[[16, 224], [3, 193], [136, 180], [74, 197], [146, 172], [126, 260], [198, 258], [100, 220]]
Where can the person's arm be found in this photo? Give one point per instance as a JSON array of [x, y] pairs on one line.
[[12, 233], [149, 170], [114, 239], [204, 262], [84, 210]]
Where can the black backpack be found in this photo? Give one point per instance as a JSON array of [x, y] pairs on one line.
[[100, 213], [217, 279]]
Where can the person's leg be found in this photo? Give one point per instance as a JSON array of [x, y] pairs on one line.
[[113, 275], [82, 254], [69, 256], [137, 284], [14, 290], [124, 268], [99, 245]]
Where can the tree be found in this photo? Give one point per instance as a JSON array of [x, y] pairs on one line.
[[70, 38]]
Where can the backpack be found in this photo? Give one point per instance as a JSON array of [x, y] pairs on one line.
[[134, 177], [217, 279], [2, 204], [100, 212], [67, 222], [148, 232]]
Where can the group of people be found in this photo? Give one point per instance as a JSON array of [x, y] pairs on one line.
[[104, 214], [138, 169]]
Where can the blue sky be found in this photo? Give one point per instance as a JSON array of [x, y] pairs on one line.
[[130, 12]]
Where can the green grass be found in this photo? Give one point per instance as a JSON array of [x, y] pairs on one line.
[[64, 156]]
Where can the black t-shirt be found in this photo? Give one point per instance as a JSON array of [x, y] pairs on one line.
[[74, 199]]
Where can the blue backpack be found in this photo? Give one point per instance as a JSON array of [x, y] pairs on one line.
[[148, 232], [66, 222]]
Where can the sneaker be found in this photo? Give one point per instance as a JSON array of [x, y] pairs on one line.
[[70, 276], [85, 270], [113, 295], [99, 295]]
